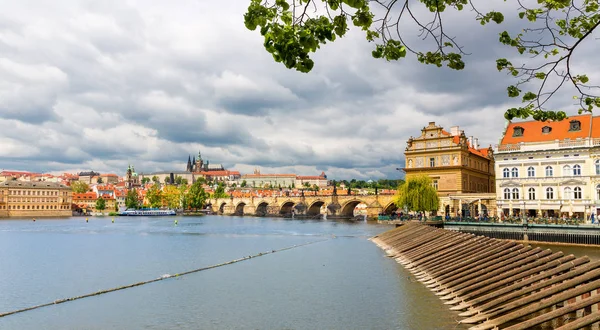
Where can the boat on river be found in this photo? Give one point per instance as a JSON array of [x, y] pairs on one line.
[[147, 213]]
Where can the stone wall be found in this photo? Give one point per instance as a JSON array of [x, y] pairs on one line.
[[36, 213]]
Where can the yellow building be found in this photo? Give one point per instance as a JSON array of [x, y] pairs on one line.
[[461, 171], [34, 199]]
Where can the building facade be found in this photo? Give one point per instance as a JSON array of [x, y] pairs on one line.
[[35, 199], [550, 169], [461, 171]]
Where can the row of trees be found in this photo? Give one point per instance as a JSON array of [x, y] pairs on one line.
[[179, 180], [193, 197]]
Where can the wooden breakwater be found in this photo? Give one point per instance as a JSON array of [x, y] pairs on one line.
[[497, 284]]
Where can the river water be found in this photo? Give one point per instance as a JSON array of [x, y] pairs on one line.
[[342, 281]]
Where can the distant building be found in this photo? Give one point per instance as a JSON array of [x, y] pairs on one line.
[[17, 175], [462, 172], [132, 180], [258, 180], [88, 177], [318, 180], [34, 199], [198, 165], [549, 169]]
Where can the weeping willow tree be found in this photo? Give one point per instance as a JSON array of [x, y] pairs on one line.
[[417, 194]]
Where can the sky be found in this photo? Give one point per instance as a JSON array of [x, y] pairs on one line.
[[98, 85]]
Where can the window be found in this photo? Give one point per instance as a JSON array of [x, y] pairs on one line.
[[577, 193], [431, 162], [435, 184], [515, 193], [549, 171], [506, 193], [506, 173], [567, 170], [531, 193], [568, 193], [515, 172], [549, 193], [531, 172], [577, 170], [518, 131], [598, 192], [546, 129], [574, 125], [597, 166]]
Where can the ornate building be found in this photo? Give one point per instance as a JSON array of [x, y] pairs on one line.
[[35, 199], [198, 165], [549, 169], [462, 172], [132, 180]]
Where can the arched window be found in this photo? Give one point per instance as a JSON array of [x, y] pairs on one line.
[[598, 166], [505, 173], [515, 172], [531, 193], [530, 171], [549, 193], [515, 193], [567, 170], [568, 193], [598, 192], [577, 193], [507, 193], [549, 171], [577, 170]]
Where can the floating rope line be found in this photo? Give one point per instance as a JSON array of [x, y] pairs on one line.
[[163, 277]]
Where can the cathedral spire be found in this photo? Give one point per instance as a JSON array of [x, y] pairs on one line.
[[189, 164], [199, 155]]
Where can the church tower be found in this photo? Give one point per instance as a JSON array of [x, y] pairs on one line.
[[199, 163], [189, 164]]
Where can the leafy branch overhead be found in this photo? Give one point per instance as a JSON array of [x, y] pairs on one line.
[[292, 29]]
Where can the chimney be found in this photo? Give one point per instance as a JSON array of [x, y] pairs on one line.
[[454, 130], [471, 141], [476, 143]]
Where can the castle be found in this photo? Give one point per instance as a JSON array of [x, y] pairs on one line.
[[198, 165]]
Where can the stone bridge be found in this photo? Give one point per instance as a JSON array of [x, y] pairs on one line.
[[304, 205]]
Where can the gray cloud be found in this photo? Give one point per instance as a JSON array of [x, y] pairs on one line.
[[98, 85]]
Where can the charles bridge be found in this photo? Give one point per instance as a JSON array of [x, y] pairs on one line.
[[304, 205]]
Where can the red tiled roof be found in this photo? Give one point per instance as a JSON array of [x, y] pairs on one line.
[[560, 130], [87, 195]]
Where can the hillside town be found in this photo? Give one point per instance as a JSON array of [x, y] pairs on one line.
[[539, 169]]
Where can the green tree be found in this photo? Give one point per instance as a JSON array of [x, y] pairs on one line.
[[99, 180], [171, 197], [183, 196], [145, 180], [167, 180], [184, 181], [220, 191], [550, 33], [417, 194], [79, 187], [178, 179], [154, 196], [131, 199], [100, 204], [243, 184], [196, 196], [155, 179]]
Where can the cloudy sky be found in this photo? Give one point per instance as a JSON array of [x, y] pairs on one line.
[[100, 84]]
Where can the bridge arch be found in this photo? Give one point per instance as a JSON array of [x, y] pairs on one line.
[[286, 207], [262, 209], [315, 207], [348, 208], [390, 208], [222, 208], [239, 208]]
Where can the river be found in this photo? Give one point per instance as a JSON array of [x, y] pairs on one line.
[[342, 281]]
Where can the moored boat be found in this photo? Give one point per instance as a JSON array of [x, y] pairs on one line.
[[147, 212]]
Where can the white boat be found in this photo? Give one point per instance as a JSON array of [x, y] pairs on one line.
[[147, 213]]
